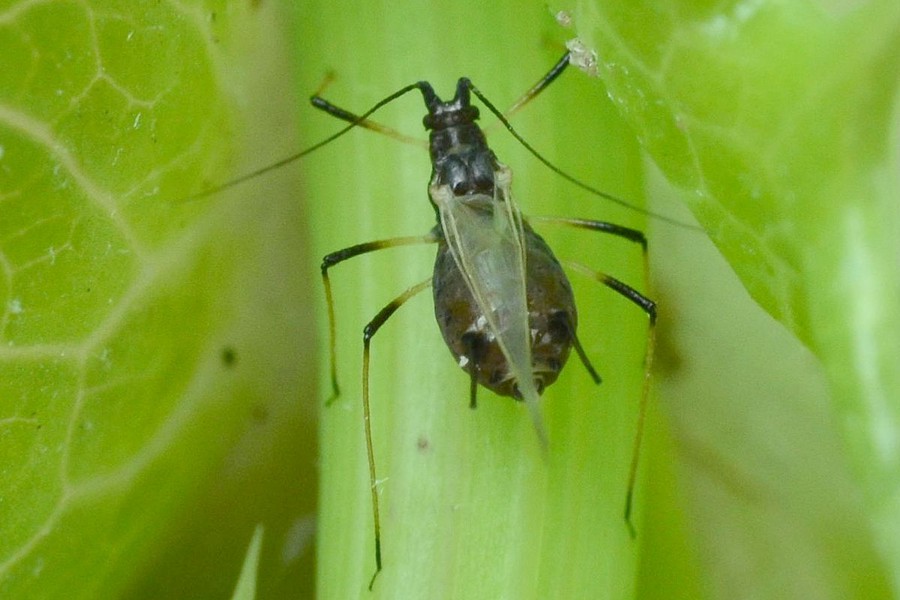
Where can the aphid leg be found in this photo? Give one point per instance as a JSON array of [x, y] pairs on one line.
[[542, 84], [326, 81], [474, 343], [345, 115], [567, 323], [645, 304], [368, 333], [340, 256], [649, 307], [632, 235]]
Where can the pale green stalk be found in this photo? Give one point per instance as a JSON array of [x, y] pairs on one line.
[[469, 506]]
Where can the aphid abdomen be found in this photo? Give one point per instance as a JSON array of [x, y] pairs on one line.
[[552, 317], [551, 310], [465, 328]]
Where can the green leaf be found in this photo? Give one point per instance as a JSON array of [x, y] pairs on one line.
[[151, 358], [778, 121]]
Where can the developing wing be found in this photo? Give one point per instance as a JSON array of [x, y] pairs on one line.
[[486, 240]]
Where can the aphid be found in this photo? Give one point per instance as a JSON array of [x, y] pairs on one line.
[[502, 301]]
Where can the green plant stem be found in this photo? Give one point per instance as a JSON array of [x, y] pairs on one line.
[[469, 507]]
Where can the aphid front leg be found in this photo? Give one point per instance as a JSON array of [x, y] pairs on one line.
[[539, 86], [345, 115]]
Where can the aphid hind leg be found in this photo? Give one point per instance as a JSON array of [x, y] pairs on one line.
[[645, 304], [340, 256], [649, 307], [567, 323], [368, 333], [627, 233]]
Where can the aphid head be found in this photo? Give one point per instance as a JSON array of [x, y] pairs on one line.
[[442, 115]]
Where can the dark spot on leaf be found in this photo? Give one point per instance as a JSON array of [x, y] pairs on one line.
[[229, 357], [260, 413]]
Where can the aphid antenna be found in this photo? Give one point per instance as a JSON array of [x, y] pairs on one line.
[[537, 88], [363, 121], [360, 121]]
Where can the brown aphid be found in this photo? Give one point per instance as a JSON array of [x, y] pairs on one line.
[[504, 306], [502, 301]]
